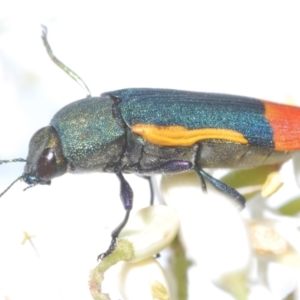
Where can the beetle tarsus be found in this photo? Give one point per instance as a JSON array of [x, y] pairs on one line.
[[110, 249], [114, 237], [126, 195]]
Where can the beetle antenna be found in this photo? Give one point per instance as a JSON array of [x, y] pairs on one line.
[[71, 73], [30, 186], [19, 178], [12, 160]]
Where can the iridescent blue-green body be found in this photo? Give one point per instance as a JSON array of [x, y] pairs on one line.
[[148, 131]]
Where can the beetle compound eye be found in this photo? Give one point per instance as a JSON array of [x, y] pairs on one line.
[[46, 167]]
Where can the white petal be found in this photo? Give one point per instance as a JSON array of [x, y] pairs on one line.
[[143, 280], [296, 163], [272, 184], [151, 230], [211, 226]]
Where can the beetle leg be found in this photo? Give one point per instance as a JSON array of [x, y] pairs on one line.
[[126, 195], [221, 186], [148, 178], [170, 167], [175, 166]]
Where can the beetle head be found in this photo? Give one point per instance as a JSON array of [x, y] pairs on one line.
[[45, 158]]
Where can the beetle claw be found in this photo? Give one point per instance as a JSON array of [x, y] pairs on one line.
[[110, 249]]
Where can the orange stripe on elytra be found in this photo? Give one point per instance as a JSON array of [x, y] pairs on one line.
[[180, 136], [285, 122]]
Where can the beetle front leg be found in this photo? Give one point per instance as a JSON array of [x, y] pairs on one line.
[[126, 195]]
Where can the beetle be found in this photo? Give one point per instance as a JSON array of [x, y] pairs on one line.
[[153, 131]]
